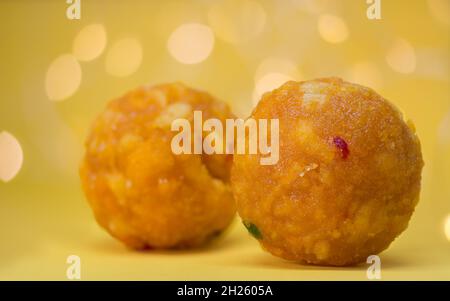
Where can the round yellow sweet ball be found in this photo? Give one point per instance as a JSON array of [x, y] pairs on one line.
[[139, 190], [347, 180]]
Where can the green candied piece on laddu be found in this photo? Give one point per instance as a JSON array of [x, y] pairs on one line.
[[253, 229]]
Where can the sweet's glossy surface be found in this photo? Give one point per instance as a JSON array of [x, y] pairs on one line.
[[142, 193], [347, 181]]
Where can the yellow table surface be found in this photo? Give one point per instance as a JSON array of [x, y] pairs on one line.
[[36, 241]]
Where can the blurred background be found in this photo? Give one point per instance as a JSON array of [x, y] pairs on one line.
[[57, 74]]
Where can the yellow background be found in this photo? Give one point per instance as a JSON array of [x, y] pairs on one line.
[[44, 217]]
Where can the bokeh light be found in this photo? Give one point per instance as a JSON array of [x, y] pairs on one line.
[[440, 10], [267, 83], [447, 227], [124, 57], [401, 57], [90, 42], [276, 64], [63, 77], [444, 131], [332, 29], [11, 156], [366, 73], [271, 73], [237, 20], [432, 63], [310, 6], [191, 43]]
